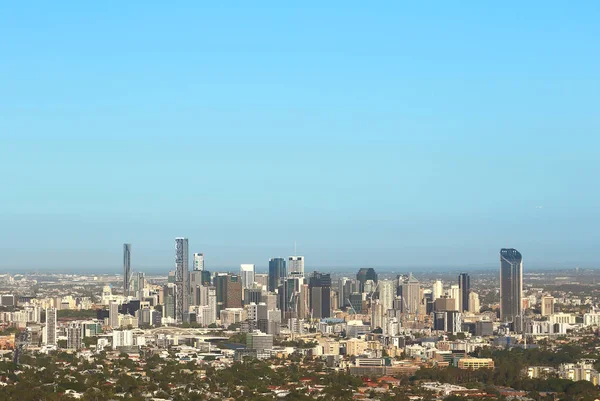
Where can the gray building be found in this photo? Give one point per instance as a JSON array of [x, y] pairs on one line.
[[181, 279], [511, 286], [126, 268], [259, 341]]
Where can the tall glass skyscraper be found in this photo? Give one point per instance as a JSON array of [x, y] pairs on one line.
[[181, 279], [126, 268], [511, 285], [464, 285], [277, 272]]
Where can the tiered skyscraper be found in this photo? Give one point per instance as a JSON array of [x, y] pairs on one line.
[[181, 279], [126, 268], [511, 285]]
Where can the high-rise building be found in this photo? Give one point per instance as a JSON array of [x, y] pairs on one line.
[[410, 293], [474, 306], [464, 285], [74, 336], [437, 290], [181, 279], [277, 272], [319, 286], [296, 266], [454, 293], [126, 268], [113, 315], [50, 334], [547, 305], [387, 291], [511, 285], [365, 274], [247, 273], [228, 291], [198, 262]]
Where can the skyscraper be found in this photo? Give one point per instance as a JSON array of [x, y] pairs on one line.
[[296, 266], [387, 291], [437, 290], [198, 262], [181, 279], [511, 285], [228, 291], [365, 274], [464, 285], [126, 268], [277, 272], [50, 326], [247, 272], [410, 290], [113, 315], [319, 286], [547, 305]]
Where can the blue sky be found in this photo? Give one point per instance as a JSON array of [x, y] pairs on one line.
[[399, 135]]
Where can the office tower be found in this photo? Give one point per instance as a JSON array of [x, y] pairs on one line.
[[228, 291], [464, 285], [547, 305], [474, 306], [377, 314], [212, 304], [170, 297], [447, 321], [511, 285], [411, 295], [387, 292], [341, 291], [181, 279], [198, 262], [74, 336], [113, 315], [50, 326], [444, 304], [296, 266], [454, 293], [289, 292], [247, 274], [365, 274], [437, 290], [259, 341], [140, 285], [277, 272], [252, 295], [126, 268], [319, 286]]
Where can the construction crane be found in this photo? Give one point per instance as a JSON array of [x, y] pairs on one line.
[[351, 307]]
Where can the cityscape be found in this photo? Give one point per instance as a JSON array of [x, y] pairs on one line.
[[382, 336], [299, 201]]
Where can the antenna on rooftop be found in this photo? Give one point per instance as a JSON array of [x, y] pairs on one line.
[[295, 254]]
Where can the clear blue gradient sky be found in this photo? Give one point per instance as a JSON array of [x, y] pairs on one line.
[[388, 134]]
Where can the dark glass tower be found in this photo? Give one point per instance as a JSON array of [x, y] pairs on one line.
[[319, 286], [365, 274], [126, 268], [464, 285], [277, 272], [511, 285]]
